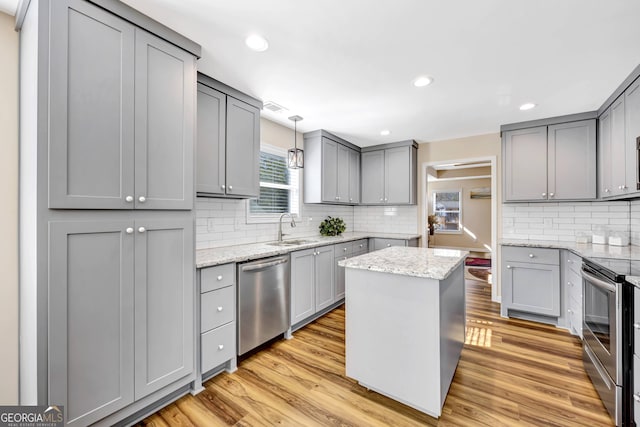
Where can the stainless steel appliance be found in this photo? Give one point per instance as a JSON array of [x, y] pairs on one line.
[[607, 344], [263, 301]]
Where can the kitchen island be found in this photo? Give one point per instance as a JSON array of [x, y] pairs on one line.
[[405, 323]]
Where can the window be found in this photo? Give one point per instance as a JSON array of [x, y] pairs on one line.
[[279, 190], [448, 208]]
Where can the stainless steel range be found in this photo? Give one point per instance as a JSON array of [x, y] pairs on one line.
[[608, 342]]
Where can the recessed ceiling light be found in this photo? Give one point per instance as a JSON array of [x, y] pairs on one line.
[[385, 132], [422, 81], [527, 106], [257, 43]]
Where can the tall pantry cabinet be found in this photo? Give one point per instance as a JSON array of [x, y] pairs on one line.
[[107, 123]]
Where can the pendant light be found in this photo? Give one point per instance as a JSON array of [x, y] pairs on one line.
[[296, 155]]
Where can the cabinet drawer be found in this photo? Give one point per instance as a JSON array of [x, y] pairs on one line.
[[343, 249], [220, 276], [636, 389], [531, 255], [386, 243], [361, 246], [574, 262], [217, 308], [218, 346], [636, 321]]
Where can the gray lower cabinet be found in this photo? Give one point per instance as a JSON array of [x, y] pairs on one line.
[[332, 169], [378, 243], [342, 252], [389, 174], [120, 312], [572, 284], [115, 140], [554, 162], [228, 148], [530, 282], [312, 282]]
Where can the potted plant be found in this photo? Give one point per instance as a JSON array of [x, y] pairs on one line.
[[332, 226], [432, 220]]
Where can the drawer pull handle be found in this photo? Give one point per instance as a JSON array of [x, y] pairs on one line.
[[129, 230], [569, 311], [636, 326], [221, 347], [636, 397], [220, 309], [509, 267], [219, 278], [531, 255], [344, 249]]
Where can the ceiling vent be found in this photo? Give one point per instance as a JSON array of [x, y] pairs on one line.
[[272, 106]]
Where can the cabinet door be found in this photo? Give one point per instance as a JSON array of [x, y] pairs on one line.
[[164, 301], [632, 132], [379, 243], [339, 279], [397, 172], [91, 318], [329, 171], [532, 288], [618, 149], [210, 161], [165, 97], [91, 158], [525, 164], [605, 162], [324, 277], [343, 164], [372, 177], [303, 302], [572, 161], [354, 177], [243, 149]]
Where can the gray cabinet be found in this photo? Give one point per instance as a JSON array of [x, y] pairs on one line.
[[530, 282], [332, 169], [554, 162], [312, 282], [342, 252], [572, 284], [121, 312], [378, 243], [228, 160], [389, 174], [115, 142]]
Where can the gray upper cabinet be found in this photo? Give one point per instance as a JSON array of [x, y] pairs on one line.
[[332, 169], [632, 133], [389, 174], [554, 162], [605, 165], [122, 125], [619, 184], [228, 147], [121, 312]]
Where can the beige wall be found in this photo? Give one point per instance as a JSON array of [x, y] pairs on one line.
[[275, 134], [476, 215], [8, 211]]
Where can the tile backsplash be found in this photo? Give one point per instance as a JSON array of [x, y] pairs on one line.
[[563, 221], [223, 222]]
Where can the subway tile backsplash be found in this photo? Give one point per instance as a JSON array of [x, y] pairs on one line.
[[223, 222], [564, 221]]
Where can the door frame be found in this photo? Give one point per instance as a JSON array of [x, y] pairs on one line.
[[494, 212]]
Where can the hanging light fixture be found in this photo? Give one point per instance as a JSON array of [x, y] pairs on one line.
[[296, 155]]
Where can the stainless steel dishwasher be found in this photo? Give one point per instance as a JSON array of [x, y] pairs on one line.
[[263, 301]]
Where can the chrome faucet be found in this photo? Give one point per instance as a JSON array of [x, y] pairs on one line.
[[293, 224]]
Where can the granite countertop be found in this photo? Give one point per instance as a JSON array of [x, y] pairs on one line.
[[239, 253], [416, 262]]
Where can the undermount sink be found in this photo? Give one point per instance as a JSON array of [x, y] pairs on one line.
[[291, 242]]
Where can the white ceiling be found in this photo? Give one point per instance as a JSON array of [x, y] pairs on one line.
[[8, 6], [347, 66]]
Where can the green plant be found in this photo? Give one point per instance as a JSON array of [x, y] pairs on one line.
[[332, 226]]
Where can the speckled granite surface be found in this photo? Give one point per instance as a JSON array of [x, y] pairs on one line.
[[239, 253], [585, 250], [417, 262]]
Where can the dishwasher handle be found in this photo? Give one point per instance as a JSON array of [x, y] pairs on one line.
[[263, 265]]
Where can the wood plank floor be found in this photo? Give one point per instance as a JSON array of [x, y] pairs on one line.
[[511, 373]]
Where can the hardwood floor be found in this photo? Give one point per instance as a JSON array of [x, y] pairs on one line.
[[511, 373]]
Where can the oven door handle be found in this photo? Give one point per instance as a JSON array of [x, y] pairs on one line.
[[606, 286]]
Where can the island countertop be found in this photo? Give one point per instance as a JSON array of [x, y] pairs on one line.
[[415, 262]]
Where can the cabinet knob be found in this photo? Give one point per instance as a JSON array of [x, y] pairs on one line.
[[388, 245], [552, 194], [623, 187], [223, 186], [129, 230], [569, 311], [636, 397], [531, 256], [509, 267], [569, 261], [221, 347], [569, 283], [128, 199], [381, 199], [219, 308], [344, 249], [230, 187], [351, 199], [142, 229], [142, 199], [219, 277], [636, 326], [544, 194], [386, 199], [606, 190], [361, 245]]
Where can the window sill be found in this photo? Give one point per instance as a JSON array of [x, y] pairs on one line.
[[269, 219]]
